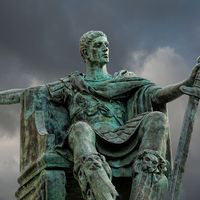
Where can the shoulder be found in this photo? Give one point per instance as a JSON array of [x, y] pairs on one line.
[[131, 76], [57, 85], [124, 73], [66, 84], [65, 81], [61, 87]]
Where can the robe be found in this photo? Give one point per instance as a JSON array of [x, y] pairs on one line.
[[120, 145]]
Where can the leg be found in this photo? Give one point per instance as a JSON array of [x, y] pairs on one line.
[[90, 168], [154, 133], [149, 181]]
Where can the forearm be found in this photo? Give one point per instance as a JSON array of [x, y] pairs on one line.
[[172, 92], [167, 94], [12, 96]]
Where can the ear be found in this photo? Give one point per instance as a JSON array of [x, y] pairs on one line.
[[85, 53]]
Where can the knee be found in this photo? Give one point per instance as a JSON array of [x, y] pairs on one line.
[[157, 118], [81, 126], [81, 129]]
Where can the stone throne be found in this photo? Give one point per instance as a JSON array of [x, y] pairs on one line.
[[45, 172]]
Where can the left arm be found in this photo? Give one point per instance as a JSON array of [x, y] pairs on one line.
[[172, 92], [167, 94]]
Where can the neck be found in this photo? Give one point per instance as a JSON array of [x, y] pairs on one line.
[[96, 72]]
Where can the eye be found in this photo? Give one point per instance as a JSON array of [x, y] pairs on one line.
[[147, 158], [155, 162], [98, 44], [107, 44]]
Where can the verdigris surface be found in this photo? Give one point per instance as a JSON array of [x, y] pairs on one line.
[[100, 125]]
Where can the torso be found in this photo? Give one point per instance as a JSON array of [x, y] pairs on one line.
[[102, 114]]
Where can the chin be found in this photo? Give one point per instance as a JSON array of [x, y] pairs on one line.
[[106, 60], [104, 63]]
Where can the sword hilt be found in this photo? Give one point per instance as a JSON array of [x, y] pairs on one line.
[[195, 89]]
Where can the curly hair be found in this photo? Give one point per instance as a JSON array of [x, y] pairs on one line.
[[87, 38]]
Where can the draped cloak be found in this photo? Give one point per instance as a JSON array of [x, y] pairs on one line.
[[120, 145]]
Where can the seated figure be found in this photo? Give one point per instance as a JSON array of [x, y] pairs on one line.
[[122, 117], [117, 122]]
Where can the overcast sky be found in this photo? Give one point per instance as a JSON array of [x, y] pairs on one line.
[[39, 42]]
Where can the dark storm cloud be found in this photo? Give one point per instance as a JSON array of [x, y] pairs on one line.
[[44, 34], [39, 40]]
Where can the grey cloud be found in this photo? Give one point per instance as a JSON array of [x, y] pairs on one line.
[[9, 167], [9, 120], [39, 40], [45, 34]]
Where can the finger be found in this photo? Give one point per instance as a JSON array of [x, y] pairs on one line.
[[196, 67], [198, 63], [198, 59]]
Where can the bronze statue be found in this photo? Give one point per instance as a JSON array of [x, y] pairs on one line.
[[116, 121]]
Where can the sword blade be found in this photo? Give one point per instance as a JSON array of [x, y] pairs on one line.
[[183, 146]]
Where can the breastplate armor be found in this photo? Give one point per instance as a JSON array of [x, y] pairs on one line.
[[97, 112]]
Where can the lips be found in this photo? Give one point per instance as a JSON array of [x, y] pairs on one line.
[[105, 55]]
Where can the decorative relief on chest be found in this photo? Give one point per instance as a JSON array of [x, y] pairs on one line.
[[89, 105]]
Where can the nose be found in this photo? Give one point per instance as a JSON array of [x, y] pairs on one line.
[[105, 49]]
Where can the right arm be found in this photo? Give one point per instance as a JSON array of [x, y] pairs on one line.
[[12, 96], [57, 90]]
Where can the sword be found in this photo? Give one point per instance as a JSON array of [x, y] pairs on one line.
[[185, 136]]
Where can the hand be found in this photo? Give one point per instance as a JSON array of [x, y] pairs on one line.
[[190, 80]]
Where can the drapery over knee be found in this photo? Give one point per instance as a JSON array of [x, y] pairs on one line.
[[81, 131]]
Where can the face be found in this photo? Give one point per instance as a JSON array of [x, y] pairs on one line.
[[98, 51]]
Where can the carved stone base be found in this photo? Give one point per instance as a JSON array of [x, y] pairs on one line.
[[47, 185]]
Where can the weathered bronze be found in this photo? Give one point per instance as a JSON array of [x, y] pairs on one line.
[[106, 129]]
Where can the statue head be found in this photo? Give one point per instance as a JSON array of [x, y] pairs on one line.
[[94, 47]]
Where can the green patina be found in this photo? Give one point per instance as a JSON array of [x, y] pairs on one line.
[[98, 128]]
